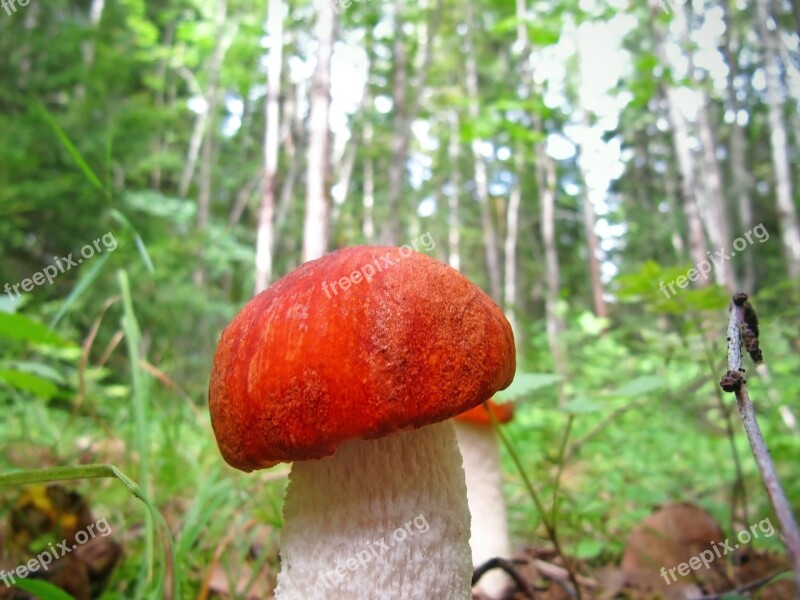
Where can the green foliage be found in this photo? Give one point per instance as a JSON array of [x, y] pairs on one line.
[[110, 362]]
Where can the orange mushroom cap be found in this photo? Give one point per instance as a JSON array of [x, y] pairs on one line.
[[300, 369], [480, 416]]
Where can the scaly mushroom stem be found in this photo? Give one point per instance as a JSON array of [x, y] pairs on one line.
[[380, 519], [479, 447]]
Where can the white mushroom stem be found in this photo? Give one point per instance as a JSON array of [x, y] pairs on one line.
[[380, 519], [478, 444]]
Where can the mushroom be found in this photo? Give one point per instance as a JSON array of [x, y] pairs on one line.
[[489, 539], [351, 366]]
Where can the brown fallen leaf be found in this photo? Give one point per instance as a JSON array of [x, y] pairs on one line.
[[673, 535]]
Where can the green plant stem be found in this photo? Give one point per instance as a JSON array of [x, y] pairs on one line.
[[97, 472], [132, 340], [551, 530], [560, 469]]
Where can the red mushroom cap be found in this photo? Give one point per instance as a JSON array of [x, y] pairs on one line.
[[480, 416], [306, 366]]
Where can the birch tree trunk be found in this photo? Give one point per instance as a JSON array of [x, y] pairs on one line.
[[546, 187], [316, 229], [400, 137], [719, 225], [683, 156], [453, 218], [265, 235], [294, 136], [716, 213], [554, 323], [404, 111], [790, 232], [510, 246], [481, 177], [368, 201], [226, 35], [740, 173]]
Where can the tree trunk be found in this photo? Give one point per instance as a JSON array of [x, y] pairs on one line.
[[402, 132], [510, 246], [589, 224], [715, 213], [159, 140], [790, 232], [453, 219], [404, 114], [212, 102], [202, 128], [719, 224], [265, 236], [554, 323], [481, 177], [316, 230], [546, 187], [347, 162], [592, 248], [294, 137], [683, 156], [740, 173], [87, 45], [368, 201]]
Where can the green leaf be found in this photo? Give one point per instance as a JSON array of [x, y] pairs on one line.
[[30, 383], [20, 327], [70, 147], [86, 279], [42, 589], [120, 218], [524, 384], [592, 325], [543, 36], [582, 404], [640, 386], [589, 548]]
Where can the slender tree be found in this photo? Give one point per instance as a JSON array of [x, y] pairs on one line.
[[479, 163], [316, 229], [790, 231], [266, 235]]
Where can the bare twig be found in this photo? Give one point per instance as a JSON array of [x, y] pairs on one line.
[[507, 566], [743, 329], [748, 587], [557, 573]]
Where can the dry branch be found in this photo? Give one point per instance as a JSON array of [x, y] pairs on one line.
[[743, 330]]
